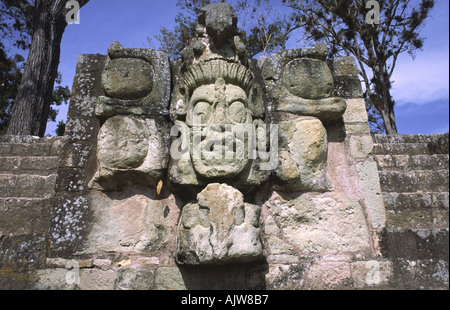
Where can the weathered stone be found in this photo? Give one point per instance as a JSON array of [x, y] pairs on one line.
[[328, 275], [285, 277], [308, 78], [127, 78], [169, 278], [409, 219], [370, 184], [371, 274], [208, 160], [278, 246], [24, 216], [429, 274], [68, 223], [138, 223], [303, 156], [123, 143], [322, 225], [360, 146], [270, 226], [96, 279], [218, 104], [219, 228], [356, 111], [132, 151], [345, 66], [346, 77], [131, 279], [136, 82], [220, 21], [23, 252], [357, 128], [299, 82], [52, 279], [123, 234]]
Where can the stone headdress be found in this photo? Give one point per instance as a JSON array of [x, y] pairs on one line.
[[208, 72]]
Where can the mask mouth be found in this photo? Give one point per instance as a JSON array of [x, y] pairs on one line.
[[217, 154]]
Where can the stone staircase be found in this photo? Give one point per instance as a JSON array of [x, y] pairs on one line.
[[413, 171], [28, 172]]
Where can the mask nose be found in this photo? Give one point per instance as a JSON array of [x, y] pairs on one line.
[[220, 116]]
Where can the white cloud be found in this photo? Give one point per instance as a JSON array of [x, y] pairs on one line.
[[423, 80]]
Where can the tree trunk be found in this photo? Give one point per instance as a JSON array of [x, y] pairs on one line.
[[387, 109], [389, 121], [32, 104], [387, 112]]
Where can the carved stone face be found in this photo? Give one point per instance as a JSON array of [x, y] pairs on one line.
[[217, 113]]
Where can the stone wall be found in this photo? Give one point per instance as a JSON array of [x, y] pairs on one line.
[[414, 177], [413, 170], [115, 204], [28, 173]]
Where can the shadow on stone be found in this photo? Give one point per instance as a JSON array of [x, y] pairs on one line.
[[249, 276]]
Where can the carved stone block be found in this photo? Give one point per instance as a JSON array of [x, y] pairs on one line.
[[132, 150], [135, 82], [299, 81], [303, 156], [219, 228]]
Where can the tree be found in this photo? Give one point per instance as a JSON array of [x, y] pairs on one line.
[[269, 31], [11, 71], [46, 21], [376, 46], [10, 76], [60, 128], [263, 32]]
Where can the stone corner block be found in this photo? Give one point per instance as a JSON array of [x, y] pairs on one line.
[[371, 188]]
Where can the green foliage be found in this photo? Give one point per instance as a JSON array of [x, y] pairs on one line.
[[60, 128], [11, 69], [263, 30], [174, 41], [15, 24], [60, 95]]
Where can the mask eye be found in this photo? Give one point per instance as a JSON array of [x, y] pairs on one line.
[[202, 112], [238, 112]]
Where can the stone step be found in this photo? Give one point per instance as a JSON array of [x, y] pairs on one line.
[[30, 146], [416, 162], [402, 149], [33, 165], [411, 144], [411, 138], [27, 186], [413, 181], [420, 257], [426, 200], [22, 216]]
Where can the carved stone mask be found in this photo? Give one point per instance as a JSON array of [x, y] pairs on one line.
[[216, 114]]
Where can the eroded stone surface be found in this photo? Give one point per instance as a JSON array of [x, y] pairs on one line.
[[219, 228], [303, 156], [126, 78], [132, 150], [139, 223], [322, 225], [308, 78]]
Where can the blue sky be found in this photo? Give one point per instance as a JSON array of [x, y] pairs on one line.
[[421, 86]]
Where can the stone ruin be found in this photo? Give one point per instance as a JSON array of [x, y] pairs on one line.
[[217, 166]]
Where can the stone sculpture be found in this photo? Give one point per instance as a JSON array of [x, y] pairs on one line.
[[219, 107], [221, 145], [133, 140], [300, 88]]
